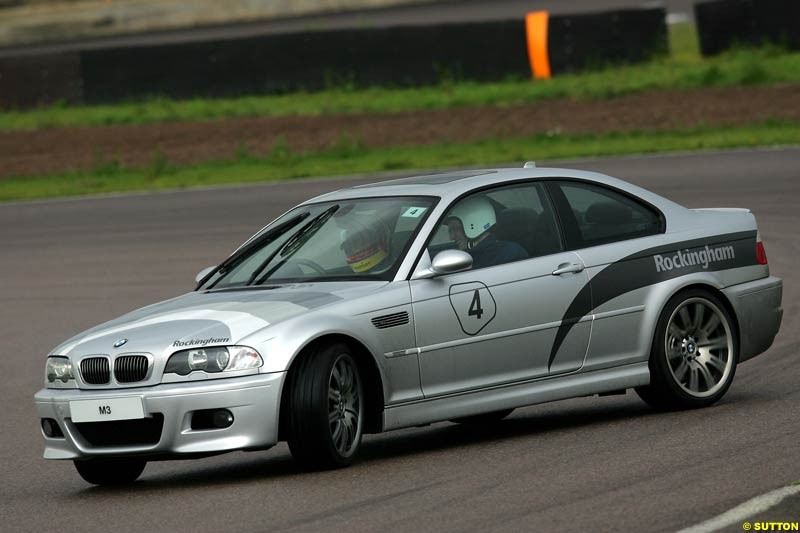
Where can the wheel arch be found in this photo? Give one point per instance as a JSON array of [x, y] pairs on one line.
[[371, 376], [710, 288]]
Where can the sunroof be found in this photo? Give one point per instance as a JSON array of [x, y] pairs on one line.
[[430, 179]]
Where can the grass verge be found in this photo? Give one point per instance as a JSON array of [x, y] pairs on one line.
[[684, 69], [283, 164]]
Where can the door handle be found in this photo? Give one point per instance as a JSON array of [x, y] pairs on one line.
[[568, 268]]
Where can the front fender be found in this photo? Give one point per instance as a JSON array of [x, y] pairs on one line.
[[390, 346]]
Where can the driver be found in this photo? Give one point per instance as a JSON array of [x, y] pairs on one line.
[[469, 225], [366, 247]]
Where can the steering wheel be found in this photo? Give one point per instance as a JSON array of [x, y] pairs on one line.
[[313, 265]]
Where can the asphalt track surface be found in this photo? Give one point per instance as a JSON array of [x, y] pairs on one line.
[[589, 464], [433, 13]]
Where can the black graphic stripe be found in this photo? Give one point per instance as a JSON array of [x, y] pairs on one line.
[[716, 240], [640, 270]]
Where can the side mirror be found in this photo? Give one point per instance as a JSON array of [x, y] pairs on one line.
[[203, 273], [448, 262]]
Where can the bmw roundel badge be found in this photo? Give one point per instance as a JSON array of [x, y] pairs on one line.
[[120, 342]]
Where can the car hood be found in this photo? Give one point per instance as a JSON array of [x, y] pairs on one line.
[[207, 318]]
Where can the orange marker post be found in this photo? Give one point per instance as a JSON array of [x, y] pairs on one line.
[[536, 30]]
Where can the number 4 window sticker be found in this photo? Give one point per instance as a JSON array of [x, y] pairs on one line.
[[414, 212], [474, 306]]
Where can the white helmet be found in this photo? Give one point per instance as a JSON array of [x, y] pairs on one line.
[[476, 215]]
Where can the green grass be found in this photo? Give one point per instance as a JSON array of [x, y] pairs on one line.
[[684, 43], [351, 158], [684, 69]]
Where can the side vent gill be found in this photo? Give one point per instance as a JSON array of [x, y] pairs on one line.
[[389, 321]]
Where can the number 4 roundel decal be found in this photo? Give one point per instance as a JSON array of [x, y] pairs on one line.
[[474, 306]]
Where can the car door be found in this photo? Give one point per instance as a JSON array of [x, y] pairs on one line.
[[497, 323], [608, 229]]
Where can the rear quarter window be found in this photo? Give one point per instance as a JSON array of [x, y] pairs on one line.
[[594, 215]]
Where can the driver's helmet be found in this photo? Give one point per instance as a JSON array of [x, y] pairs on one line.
[[365, 245], [476, 214]]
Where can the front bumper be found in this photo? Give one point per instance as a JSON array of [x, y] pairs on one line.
[[758, 312], [253, 400]]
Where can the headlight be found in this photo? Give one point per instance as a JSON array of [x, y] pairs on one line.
[[214, 359], [58, 368]]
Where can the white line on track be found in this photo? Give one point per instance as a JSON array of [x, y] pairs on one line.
[[740, 513]]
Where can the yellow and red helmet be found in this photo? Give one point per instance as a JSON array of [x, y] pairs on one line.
[[365, 246]]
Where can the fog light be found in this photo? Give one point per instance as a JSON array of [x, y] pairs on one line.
[[212, 419], [51, 429], [222, 418]]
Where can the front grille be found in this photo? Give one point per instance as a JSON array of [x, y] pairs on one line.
[[389, 321], [130, 368], [95, 370], [122, 432]]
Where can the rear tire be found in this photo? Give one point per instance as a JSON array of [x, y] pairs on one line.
[[326, 408], [485, 418], [694, 355], [110, 471]]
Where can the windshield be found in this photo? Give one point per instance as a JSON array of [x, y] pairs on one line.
[[356, 239]]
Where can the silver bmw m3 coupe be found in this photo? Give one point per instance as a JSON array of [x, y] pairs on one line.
[[448, 297]]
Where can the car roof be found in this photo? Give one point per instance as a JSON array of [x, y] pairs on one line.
[[450, 185]]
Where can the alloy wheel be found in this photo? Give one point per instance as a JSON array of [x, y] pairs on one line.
[[699, 345], [344, 405]]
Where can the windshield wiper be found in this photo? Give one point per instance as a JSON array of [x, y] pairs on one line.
[[245, 251], [244, 288], [294, 243]]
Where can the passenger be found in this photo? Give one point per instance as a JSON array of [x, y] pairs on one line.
[[469, 224]]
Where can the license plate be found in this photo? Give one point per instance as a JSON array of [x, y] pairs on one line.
[[105, 410]]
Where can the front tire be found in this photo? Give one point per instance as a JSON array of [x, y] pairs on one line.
[[694, 355], [110, 471], [326, 408]]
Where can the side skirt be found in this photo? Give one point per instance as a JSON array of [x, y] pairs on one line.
[[510, 396]]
